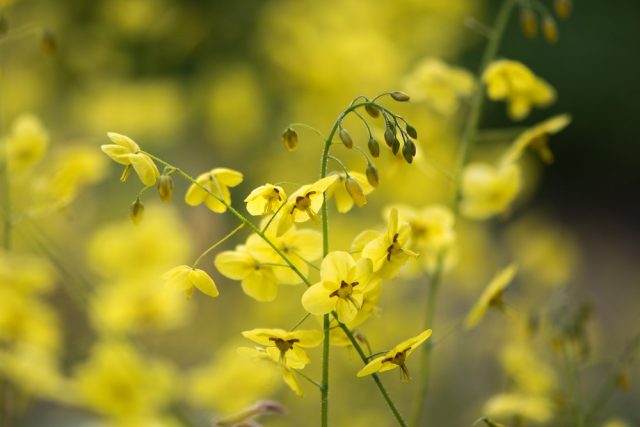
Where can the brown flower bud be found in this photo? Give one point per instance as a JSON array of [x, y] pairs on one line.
[[136, 212], [290, 139], [528, 22], [346, 138], [355, 191], [374, 147], [372, 175], [400, 96], [165, 188], [372, 111], [550, 29], [563, 8]]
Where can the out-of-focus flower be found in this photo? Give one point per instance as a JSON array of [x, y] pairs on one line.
[[265, 199], [439, 85], [258, 281], [185, 278], [126, 152], [26, 143], [537, 137], [616, 422], [24, 273], [212, 187], [286, 347], [488, 190], [530, 374], [304, 204], [491, 296], [514, 82], [343, 282], [344, 196], [260, 355], [537, 409], [390, 250], [396, 357], [121, 384]]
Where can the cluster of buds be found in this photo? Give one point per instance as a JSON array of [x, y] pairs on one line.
[[529, 12]]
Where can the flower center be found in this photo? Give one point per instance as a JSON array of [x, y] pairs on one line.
[[395, 248], [272, 198], [284, 345]]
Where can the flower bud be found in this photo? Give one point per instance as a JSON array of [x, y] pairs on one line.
[[396, 146], [48, 42], [550, 29], [563, 8], [290, 139], [389, 136], [623, 380], [355, 191], [4, 25], [528, 22], [165, 187], [346, 138], [400, 96], [374, 147], [411, 131], [372, 175], [136, 212], [372, 111], [408, 150]]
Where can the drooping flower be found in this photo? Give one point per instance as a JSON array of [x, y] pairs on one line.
[[488, 190], [342, 285], [125, 151], [390, 250], [185, 278], [491, 296], [212, 188], [537, 137], [514, 82], [304, 204], [284, 346], [257, 280], [265, 199], [396, 357], [344, 193]]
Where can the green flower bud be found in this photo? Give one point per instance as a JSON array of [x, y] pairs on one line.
[[136, 212], [400, 96], [563, 8], [165, 187], [408, 150], [389, 136], [372, 175], [290, 139], [374, 147], [372, 111], [346, 138], [396, 146], [528, 22], [550, 29], [411, 131]]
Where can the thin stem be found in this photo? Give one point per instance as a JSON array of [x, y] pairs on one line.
[[339, 162], [216, 244], [304, 125], [312, 381], [573, 380], [301, 321]]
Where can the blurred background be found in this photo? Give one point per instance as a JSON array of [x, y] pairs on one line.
[[213, 84]]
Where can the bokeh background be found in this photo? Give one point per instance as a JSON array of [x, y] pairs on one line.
[[209, 84]]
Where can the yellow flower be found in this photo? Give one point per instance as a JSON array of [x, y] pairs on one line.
[[488, 190], [537, 138], [396, 357], [286, 347], [441, 86], [514, 82], [344, 199], [538, 409], [258, 281], [389, 251], [122, 384], [304, 204], [25, 273], [126, 152], [212, 187], [185, 278], [342, 286], [491, 296], [265, 199], [260, 354], [26, 143], [615, 422], [368, 308]]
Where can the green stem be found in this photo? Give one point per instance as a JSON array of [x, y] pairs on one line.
[[573, 380], [425, 362], [216, 244], [471, 127], [6, 201]]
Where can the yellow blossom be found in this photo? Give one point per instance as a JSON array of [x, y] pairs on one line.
[[286, 347], [342, 285], [185, 278], [529, 373], [538, 409], [368, 308], [26, 143], [260, 354], [389, 251], [491, 296], [537, 137], [343, 197], [439, 85], [265, 199], [304, 204], [488, 190], [396, 357], [615, 422], [122, 384], [212, 187], [257, 280], [125, 151], [25, 273], [514, 82]]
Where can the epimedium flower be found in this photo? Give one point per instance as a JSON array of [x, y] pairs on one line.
[[304, 204], [537, 137], [265, 199], [390, 250], [260, 354], [346, 192], [257, 280], [212, 188], [516, 83], [342, 286], [125, 151], [26, 144], [396, 357], [488, 190], [491, 296], [185, 278], [286, 347]]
